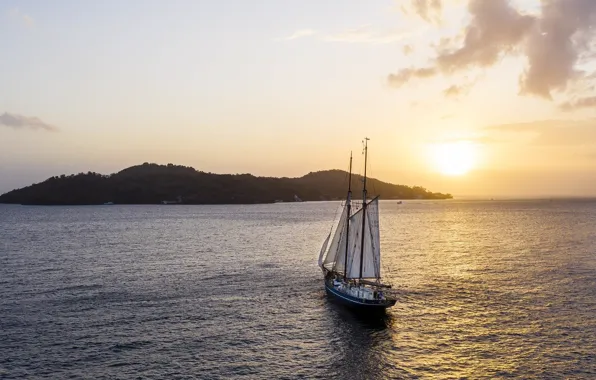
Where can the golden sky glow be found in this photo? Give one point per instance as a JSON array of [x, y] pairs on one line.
[[470, 97], [454, 158]]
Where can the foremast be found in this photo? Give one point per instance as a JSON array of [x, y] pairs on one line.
[[349, 209], [363, 208]]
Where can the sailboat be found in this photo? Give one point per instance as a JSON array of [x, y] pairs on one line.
[[351, 263]]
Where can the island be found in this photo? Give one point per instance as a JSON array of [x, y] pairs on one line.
[[175, 184]]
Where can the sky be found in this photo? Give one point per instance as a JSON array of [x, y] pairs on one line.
[[481, 98]]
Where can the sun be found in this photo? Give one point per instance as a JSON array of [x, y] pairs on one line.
[[454, 158]]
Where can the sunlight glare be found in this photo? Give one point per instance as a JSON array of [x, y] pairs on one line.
[[454, 158]]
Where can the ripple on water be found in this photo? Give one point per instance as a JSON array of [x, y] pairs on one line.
[[485, 289]]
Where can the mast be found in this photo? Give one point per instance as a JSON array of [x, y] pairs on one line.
[[349, 206], [363, 207]]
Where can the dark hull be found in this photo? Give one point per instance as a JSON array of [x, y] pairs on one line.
[[357, 303]]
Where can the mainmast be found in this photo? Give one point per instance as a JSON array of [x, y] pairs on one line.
[[363, 206], [349, 206]]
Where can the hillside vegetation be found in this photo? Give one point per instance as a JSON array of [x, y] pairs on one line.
[[153, 183]]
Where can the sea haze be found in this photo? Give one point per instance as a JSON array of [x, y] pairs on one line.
[[485, 290]]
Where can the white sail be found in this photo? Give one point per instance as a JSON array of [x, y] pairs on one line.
[[353, 270], [372, 215], [370, 252], [323, 250], [337, 248]]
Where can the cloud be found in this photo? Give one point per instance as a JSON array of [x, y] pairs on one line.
[[495, 29], [407, 49], [553, 132], [455, 90], [476, 140], [587, 102], [530, 125], [552, 42], [362, 34], [428, 10], [19, 121], [403, 76], [298, 34], [365, 34], [24, 18], [554, 47]]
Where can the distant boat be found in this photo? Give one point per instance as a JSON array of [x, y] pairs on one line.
[[177, 201], [297, 198], [351, 263], [108, 203], [399, 202]]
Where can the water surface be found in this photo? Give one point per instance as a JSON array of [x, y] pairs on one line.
[[486, 290]]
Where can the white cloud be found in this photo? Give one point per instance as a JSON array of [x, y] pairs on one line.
[[365, 34], [23, 18], [555, 37], [298, 34], [19, 121], [361, 34], [553, 132]]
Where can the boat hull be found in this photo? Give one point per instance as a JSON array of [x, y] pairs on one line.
[[358, 303]]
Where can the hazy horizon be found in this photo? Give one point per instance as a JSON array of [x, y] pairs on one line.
[[470, 97], [503, 195]]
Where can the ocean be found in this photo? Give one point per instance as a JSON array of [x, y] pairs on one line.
[[486, 289]]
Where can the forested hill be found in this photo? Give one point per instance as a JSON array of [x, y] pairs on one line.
[[153, 183]]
